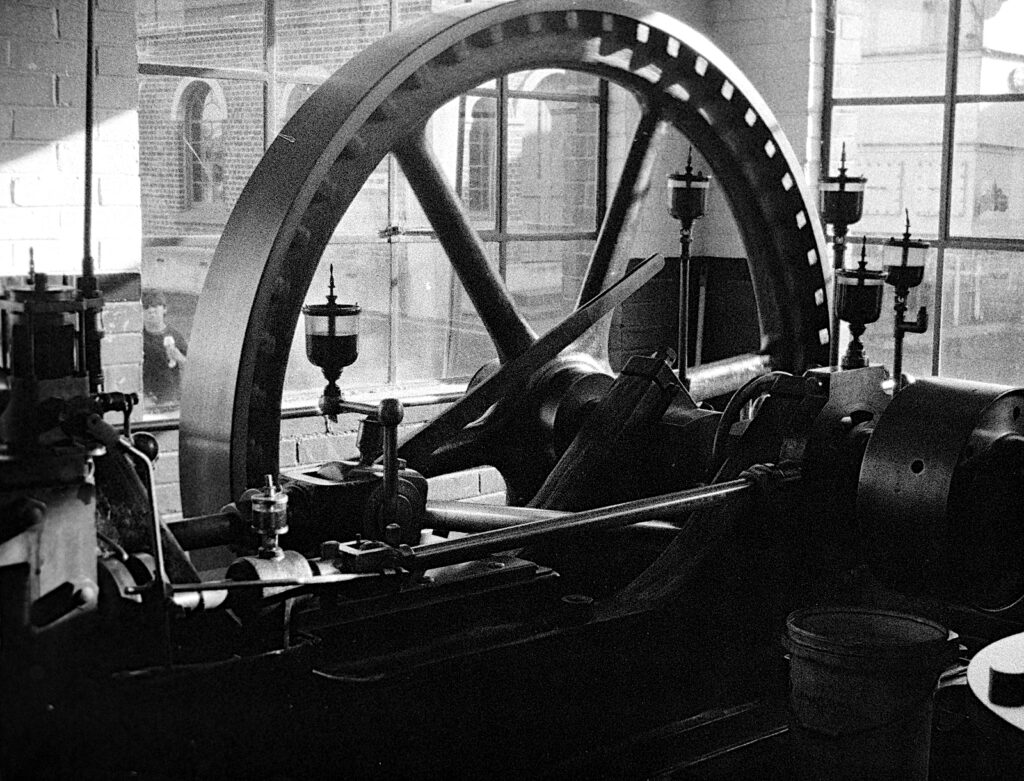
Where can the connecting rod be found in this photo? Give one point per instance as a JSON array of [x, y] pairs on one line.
[[424, 557]]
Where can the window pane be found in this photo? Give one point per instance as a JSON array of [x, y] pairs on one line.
[[878, 340], [439, 334], [552, 165], [463, 134], [890, 48], [898, 149], [172, 279], [199, 141], [988, 171], [290, 95], [991, 57], [206, 33], [316, 37], [623, 119], [410, 11], [982, 316], [362, 276], [553, 81], [544, 278], [367, 215]]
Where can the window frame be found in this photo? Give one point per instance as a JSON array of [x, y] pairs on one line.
[[950, 101]]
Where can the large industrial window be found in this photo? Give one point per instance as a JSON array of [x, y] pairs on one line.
[[928, 97], [219, 79]]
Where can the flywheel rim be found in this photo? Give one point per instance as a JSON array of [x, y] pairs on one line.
[[283, 219]]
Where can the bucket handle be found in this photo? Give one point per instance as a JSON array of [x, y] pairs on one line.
[[945, 660]]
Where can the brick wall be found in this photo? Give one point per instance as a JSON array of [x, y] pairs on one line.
[[42, 154], [303, 441], [42, 115]]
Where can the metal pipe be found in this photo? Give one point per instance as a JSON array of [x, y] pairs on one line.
[[87, 269], [241, 585], [718, 378], [683, 330], [390, 414], [658, 507], [474, 518], [203, 531], [358, 407], [91, 323]]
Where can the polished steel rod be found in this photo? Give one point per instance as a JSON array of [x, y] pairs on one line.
[[473, 517], [477, 545]]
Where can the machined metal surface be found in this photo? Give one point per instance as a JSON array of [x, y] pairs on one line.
[[929, 431], [378, 103]]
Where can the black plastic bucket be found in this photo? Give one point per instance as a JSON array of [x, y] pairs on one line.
[[861, 690]]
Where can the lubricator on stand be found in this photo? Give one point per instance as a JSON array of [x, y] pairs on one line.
[[841, 203], [859, 303], [687, 200], [332, 343], [904, 270]]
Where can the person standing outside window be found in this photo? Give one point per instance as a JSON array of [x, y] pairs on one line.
[[164, 352]]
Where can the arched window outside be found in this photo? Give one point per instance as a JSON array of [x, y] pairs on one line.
[[203, 146], [480, 156]]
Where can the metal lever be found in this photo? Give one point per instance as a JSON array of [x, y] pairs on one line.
[[390, 413]]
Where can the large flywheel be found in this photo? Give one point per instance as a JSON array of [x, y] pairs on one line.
[[379, 103]]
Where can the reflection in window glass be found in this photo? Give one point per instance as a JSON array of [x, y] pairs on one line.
[[878, 339], [479, 185], [202, 135], [554, 81], [320, 35], [991, 57], [544, 278], [291, 95], [172, 279], [982, 316], [552, 165], [439, 334], [463, 136], [199, 141], [988, 160], [367, 215], [203, 33], [890, 48], [898, 149]]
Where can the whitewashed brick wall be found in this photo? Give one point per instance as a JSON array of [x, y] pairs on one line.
[[42, 138], [779, 46]]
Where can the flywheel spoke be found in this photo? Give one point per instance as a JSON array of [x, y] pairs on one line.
[[625, 203], [511, 334]]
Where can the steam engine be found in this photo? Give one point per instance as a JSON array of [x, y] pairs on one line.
[[619, 615]]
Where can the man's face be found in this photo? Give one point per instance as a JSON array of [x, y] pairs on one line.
[[153, 317]]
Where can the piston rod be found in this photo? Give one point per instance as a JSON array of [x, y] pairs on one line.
[[474, 546]]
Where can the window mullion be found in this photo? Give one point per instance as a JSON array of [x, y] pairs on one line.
[[501, 191], [949, 119], [602, 154], [946, 175], [828, 86], [270, 68]]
